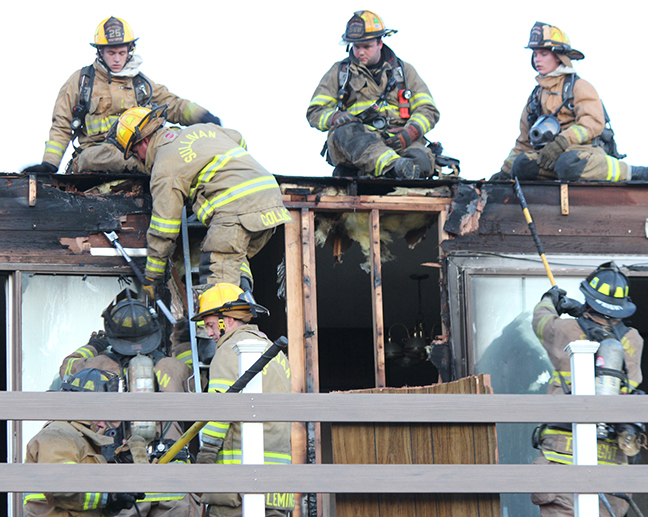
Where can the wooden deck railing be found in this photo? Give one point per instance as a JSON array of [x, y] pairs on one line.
[[323, 408]]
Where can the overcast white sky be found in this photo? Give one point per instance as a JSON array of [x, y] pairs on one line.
[[255, 64]]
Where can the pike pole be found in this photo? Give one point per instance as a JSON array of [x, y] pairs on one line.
[[114, 240], [532, 228], [279, 345]]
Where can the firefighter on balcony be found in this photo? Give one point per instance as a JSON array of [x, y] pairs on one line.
[[232, 194], [374, 106], [130, 348], [227, 314], [94, 97], [564, 129], [600, 320], [77, 442]]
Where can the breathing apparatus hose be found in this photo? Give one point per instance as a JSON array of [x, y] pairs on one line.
[[534, 233]]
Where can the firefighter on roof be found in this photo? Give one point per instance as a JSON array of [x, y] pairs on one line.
[[227, 314], [94, 97], [130, 347], [232, 194], [564, 129], [374, 106], [600, 320], [77, 442]]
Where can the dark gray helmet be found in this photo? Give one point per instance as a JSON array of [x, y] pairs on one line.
[[131, 327], [606, 291], [91, 379]]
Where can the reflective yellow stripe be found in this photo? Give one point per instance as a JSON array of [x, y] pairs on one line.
[[566, 376], [219, 385], [419, 99], [53, 147], [324, 122], [68, 368], [185, 357], [169, 226], [246, 270], [323, 100], [234, 456], [163, 496], [384, 160], [189, 111], [237, 192], [99, 125], [155, 267], [33, 497], [92, 500], [85, 352], [422, 121], [216, 429], [581, 133], [277, 458], [614, 168], [217, 163]]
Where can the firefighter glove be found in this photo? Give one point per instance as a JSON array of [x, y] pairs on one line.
[[118, 502], [149, 286], [41, 167], [207, 454], [342, 118], [402, 137], [209, 117], [551, 152], [137, 446], [570, 306], [98, 341], [556, 294]]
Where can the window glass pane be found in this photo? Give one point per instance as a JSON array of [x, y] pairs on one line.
[[59, 313], [506, 347]]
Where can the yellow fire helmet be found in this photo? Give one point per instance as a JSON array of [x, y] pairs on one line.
[[225, 297], [364, 26], [134, 125], [552, 38], [114, 31]]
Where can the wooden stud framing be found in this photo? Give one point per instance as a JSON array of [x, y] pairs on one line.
[[345, 203], [296, 351], [309, 278], [32, 190], [377, 300], [564, 199]]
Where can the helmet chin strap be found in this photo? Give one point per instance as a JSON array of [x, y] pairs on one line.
[[221, 325]]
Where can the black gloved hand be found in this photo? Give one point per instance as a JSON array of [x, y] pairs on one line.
[[556, 294], [570, 306], [209, 117], [402, 137], [551, 152], [118, 502], [99, 341], [41, 167], [342, 118]]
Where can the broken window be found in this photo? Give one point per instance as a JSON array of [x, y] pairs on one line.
[[59, 312]]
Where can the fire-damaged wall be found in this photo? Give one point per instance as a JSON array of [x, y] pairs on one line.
[[575, 218], [56, 220]]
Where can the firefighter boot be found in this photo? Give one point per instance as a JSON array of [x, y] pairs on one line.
[[639, 173], [405, 168]]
